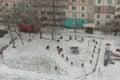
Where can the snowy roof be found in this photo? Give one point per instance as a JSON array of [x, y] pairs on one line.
[[92, 25]]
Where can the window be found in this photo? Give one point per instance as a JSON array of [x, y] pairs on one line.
[[73, 7], [118, 1], [83, 1], [118, 9], [27, 5], [98, 16], [107, 23], [98, 9], [83, 8], [83, 15], [35, 6], [99, 1], [0, 10], [73, 0], [74, 14], [98, 23], [109, 1], [108, 16], [63, 13], [91, 1], [14, 5], [15, 10], [6, 4]]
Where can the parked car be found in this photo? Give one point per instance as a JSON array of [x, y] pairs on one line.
[[3, 32], [1, 35]]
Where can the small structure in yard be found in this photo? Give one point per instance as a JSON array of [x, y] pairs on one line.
[[89, 28], [118, 50], [108, 54], [74, 50]]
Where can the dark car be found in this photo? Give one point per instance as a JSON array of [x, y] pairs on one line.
[[3, 32], [1, 35]]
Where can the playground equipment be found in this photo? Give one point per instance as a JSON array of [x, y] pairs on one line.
[[74, 50], [108, 54], [89, 28]]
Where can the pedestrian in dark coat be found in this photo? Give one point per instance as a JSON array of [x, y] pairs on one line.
[[62, 55], [70, 37], [82, 65], [71, 63], [66, 58], [55, 68], [47, 47]]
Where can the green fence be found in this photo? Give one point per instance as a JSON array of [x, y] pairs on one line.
[[74, 22]]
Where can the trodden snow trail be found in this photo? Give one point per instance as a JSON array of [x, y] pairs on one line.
[[96, 64]]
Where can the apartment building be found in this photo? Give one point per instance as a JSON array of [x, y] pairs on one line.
[[100, 12], [79, 8], [7, 7], [79, 12], [29, 9], [104, 12], [51, 11], [117, 14], [117, 8]]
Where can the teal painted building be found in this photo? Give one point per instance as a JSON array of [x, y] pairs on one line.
[[74, 22]]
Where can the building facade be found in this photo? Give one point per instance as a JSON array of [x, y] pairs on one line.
[[104, 12], [100, 12], [117, 15], [7, 7]]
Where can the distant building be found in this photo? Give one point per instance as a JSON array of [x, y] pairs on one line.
[[80, 11], [117, 14], [52, 11], [47, 10], [100, 12], [73, 12], [104, 12], [7, 7]]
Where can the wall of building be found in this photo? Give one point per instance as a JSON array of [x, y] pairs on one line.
[[100, 12]]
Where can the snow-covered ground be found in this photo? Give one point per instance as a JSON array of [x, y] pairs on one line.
[[32, 61]]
